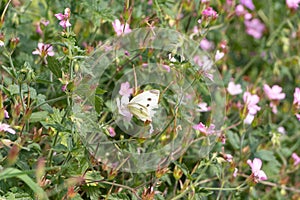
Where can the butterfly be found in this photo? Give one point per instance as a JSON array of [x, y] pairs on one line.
[[142, 106]]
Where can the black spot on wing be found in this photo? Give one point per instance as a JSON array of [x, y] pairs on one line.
[[149, 99]]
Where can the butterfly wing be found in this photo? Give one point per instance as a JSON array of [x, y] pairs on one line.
[[143, 104]]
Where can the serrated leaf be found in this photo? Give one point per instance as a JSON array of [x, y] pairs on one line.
[[38, 116], [54, 67]]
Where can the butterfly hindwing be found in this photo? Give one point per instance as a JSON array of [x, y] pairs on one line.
[[143, 104]]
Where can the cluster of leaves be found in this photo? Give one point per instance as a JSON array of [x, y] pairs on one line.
[[46, 157]]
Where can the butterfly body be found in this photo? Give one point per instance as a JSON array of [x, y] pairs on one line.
[[142, 106]]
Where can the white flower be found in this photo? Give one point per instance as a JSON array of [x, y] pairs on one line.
[[234, 89]]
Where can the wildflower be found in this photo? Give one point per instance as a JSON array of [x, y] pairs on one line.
[[206, 44], [125, 89], [297, 97], [248, 3], [111, 131], [122, 107], [38, 26], [235, 172], [274, 94], [44, 50], [251, 101], [205, 65], [240, 10], [234, 89], [203, 107], [6, 115], [281, 129], [119, 28], [209, 12], [254, 27], [228, 157], [296, 159], [257, 173], [203, 129], [64, 18], [292, 4], [6, 127], [298, 116], [219, 55]]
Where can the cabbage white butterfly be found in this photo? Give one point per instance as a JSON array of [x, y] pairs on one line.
[[142, 106]]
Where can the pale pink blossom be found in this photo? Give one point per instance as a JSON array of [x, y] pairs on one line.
[[6, 128], [209, 12], [248, 16], [64, 18], [274, 93], [166, 67], [281, 129], [195, 30], [219, 55], [292, 4], [254, 27], [111, 131], [235, 172], [44, 50], [228, 157], [6, 115], [203, 107], [248, 3], [206, 44], [234, 89], [249, 119], [1, 43], [119, 28], [298, 116], [297, 97], [125, 89], [240, 10], [38, 26], [122, 107], [251, 101], [296, 159], [204, 129], [258, 174]]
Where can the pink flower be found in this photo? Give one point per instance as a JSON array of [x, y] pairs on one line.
[[281, 129], [258, 174], [249, 119], [111, 131], [203, 129], [254, 27], [125, 89], [203, 107], [235, 172], [297, 97], [209, 12], [122, 107], [234, 89], [119, 28], [292, 4], [6, 115], [298, 116], [64, 18], [274, 93], [296, 159], [206, 44], [6, 127], [240, 10], [228, 157], [219, 55], [166, 67], [248, 3], [251, 101], [44, 50], [38, 26]]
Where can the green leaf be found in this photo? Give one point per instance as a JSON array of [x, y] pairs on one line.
[[38, 116], [233, 139], [265, 155], [12, 173], [54, 67]]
